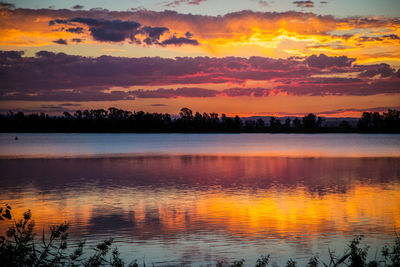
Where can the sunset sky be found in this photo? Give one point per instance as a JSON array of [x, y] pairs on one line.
[[335, 58]]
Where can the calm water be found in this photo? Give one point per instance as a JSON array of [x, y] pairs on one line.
[[176, 198], [297, 145]]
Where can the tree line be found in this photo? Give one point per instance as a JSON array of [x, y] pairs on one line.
[[119, 120]]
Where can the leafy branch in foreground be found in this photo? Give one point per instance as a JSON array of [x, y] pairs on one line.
[[20, 248]]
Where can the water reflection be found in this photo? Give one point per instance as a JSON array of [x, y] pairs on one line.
[[197, 208], [53, 145]]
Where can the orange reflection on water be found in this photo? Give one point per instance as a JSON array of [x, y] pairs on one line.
[[273, 213], [299, 212], [294, 200]]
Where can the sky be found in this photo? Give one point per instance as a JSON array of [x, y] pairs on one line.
[[333, 58]]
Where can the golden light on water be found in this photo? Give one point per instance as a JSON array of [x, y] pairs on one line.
[[225, 202]]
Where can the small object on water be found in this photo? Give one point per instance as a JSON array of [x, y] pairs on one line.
[[16, 138]]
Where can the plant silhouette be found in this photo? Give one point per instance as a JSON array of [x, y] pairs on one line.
[[21, 248]]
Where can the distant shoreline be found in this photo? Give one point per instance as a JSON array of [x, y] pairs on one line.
[[115, 120], [328, 131]]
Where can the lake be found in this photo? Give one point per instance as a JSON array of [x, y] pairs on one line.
[[199, 198]]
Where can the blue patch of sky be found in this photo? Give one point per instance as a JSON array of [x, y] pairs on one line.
[[339, 8]]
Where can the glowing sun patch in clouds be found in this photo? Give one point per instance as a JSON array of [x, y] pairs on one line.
[[241, 33], [245, 54]]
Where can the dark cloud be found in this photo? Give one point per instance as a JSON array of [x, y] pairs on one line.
[[199, 92], [330, 46], [69, 105], [374, 109], [173, 93], [118, 31], [391, 36], [61, 41], [304, 4], [77, 7], [378, 38], [188, 2], [195, 2], [153, 33], [77, 40], [50, 107], [384, 70], [342, 110], [75, 96], [35, 110], [257, 92], [87, 21], [110, 30], [158, 105], [322, 61], [59, 107], [58, 21], [7, 5], [98, 9], [179, 41], [47, 54], [10, 55], [341, 86], [59, 77], [75, 30], [104, 35], [189, 35], [263, 3]]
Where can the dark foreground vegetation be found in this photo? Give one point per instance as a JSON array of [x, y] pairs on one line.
[[21, 248], [118, 120]]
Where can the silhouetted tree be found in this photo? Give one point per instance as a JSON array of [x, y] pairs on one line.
[[67, 115], [260, 124], [237, 122], [297, 124], [286, 125], [391, 120], [345, 125], [311, 123], [377, 120], [274, 124], [186, 114], [365, 122], [249, 125]]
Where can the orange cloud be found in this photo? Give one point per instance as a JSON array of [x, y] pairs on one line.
[[241, 33]]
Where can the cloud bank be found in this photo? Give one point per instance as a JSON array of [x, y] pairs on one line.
[[60, 77], [277, 34]]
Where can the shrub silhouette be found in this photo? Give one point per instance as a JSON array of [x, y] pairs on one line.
[[21, 249]]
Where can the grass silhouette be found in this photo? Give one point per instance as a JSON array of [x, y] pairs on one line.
[[20, 248]]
